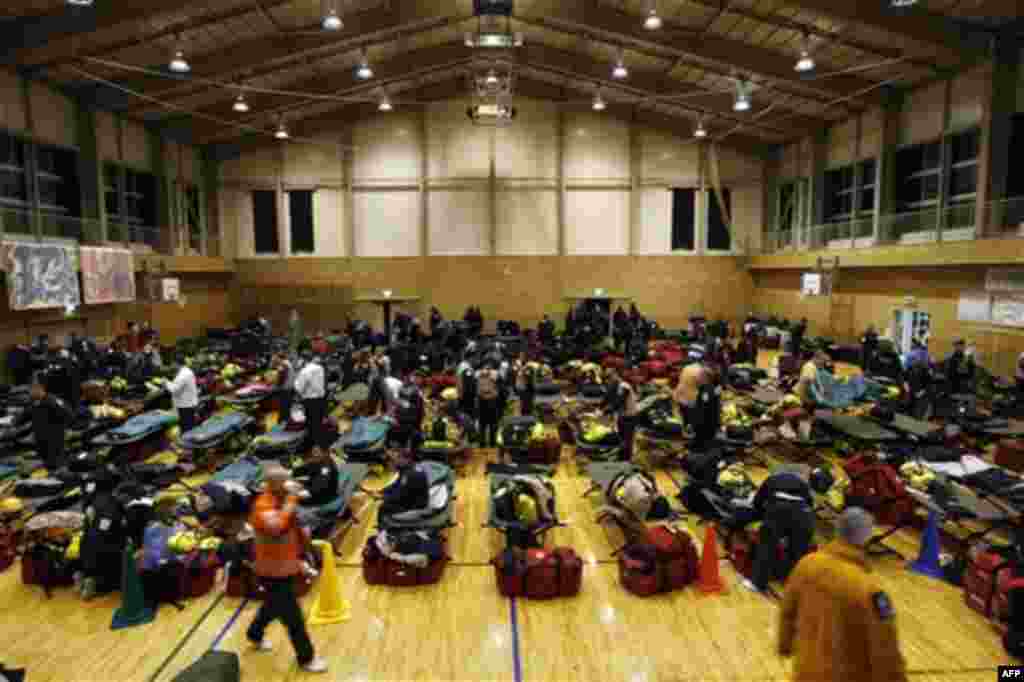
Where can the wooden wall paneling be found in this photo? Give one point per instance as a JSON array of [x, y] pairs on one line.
[[108, 136], [136, 145], [53, 115], [871, 128], [387, 150], [329, 228], [921, 119], [842, 143], [12, 109], [967, 98]]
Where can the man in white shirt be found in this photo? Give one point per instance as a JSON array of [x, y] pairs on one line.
[[185, 397], [392, 389], [310, 385]]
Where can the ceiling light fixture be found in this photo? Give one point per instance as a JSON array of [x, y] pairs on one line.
[[332, 22], [80, 3], [282, 132], [240, 105], [743, 89], [599, 103], [700, 132], [385, 104], [620, 71], [805, 63], [653, 21], [491, 79], [902, 3], [178, 63], [363, 71]]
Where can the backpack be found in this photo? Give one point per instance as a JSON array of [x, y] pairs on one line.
[[487, 385]]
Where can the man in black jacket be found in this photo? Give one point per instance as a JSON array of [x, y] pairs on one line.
[[785, 505], [959, 369], [319, 476], [50, 419], [868, 345], [411, 490]]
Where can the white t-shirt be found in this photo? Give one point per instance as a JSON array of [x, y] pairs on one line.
[[184, 392], [309, 384], [392, 387]]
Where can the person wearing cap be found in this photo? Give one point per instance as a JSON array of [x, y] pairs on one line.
[[959, 369], [185, 397], [278, 560], [311, 387], [836, 621], [868, 346]]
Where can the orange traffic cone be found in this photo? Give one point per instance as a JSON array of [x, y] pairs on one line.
[[710, 581], [329, 606]]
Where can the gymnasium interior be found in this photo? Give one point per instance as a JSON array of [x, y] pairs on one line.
[[586, 199]]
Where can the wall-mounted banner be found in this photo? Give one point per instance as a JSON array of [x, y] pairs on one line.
[[41, 275], [108, 275]]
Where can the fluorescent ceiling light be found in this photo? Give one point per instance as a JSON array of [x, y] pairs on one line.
[[282, 132], [620, 71], [332, 22], [178, 63], [805, 63], [700, 131], [385, 104], [599, 104], [240, 105], [653, 21]]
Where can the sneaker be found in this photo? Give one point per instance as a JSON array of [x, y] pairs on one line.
[[263, 645], [317, 665]]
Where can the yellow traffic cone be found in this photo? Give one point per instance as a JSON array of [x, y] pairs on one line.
[[329, 606]]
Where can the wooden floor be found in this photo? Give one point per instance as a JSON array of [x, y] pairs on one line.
[[461, 629]]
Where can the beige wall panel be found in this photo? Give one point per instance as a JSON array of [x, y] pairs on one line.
[[796, 160], [842, 143], [527, 222], [387, 149], [258, 167], [238, 204], [387, 223], [655, 221], [232, 228], [921, 117], [966, 103], [12, 104], [329, 227], [106, 136], [53, 116], [136, 145], [459, 221], [668, 159], [597, 222], [872, 123], [529, 147], [737, 169], [312, 164], [596, 148], [455, 147], [747, 217]]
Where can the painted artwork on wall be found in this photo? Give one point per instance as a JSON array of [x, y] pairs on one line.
[[108, 275], [40, 275]]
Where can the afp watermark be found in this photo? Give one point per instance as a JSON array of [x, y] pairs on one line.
[[1011, 672]]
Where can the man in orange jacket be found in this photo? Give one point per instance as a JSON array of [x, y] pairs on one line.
[[278, 551], [835, 619]]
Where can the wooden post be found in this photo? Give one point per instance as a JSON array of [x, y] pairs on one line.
[[560, 161], [424, 196]]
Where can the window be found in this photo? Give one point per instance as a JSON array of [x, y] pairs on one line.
[[918, 169], [57, 176], [13, 183], [190, 206], [684, 219], [788, 210], [868, 175], [963, 171], [300, 212], [719, 220], [264, 221], [112, 189]]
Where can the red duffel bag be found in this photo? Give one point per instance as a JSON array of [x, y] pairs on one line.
[[667, 560], [541, 574], [1010, 454], [655, 369], [986, 584]]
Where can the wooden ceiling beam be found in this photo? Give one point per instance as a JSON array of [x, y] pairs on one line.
[[67, 24], [710, 53], [410, 65], [941, 34], [649, 87], [266, 55], [50, 56]]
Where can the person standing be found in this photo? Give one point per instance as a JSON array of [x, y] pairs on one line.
[[310, 385], [489, 400], [835, 620], [808, 387], [278, 552], [185, 397], [624, 405], [50, 419], [285, 386], [959, 369], [526, 385], [294, 330], [868, 345]]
